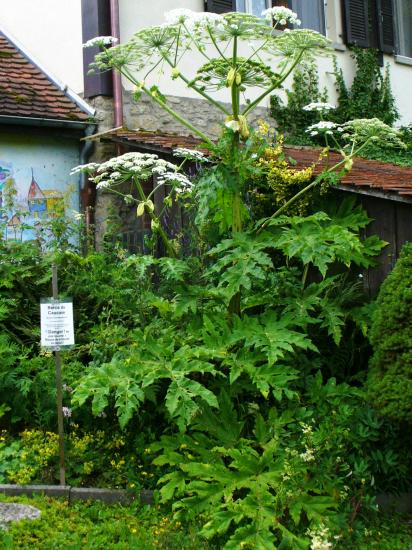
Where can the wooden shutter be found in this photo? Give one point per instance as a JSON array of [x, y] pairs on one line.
[[220, 6], [385, 25], [356, 18], [95, 22]]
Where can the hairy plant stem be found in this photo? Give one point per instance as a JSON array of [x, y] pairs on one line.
[[305, 274], [235, 302], [168, 245]]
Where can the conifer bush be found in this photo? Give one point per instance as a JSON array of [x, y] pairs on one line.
[[390, 381]]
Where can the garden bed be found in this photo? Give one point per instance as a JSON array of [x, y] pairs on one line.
[[90, 525]]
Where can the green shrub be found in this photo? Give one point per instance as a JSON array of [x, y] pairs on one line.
[[390, 380], [291, 118]]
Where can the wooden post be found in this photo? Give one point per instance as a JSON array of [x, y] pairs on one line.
[[57, 359]]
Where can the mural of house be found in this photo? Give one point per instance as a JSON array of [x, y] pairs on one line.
[[14, 229], [36, 199], [41, 125]]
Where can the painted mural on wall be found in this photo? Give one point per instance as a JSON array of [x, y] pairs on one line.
[[25, 205], [35, 185]]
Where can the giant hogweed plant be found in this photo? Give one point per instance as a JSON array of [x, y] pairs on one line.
[[230, 352]]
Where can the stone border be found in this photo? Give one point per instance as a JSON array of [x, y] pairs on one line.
[[109, 496]]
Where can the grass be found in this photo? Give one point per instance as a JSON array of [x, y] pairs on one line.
[[94, 526]]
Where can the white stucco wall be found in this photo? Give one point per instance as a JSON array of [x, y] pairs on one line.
[[135, 15], [51, 32]]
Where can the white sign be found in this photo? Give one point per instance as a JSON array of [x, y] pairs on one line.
[[56, 323]]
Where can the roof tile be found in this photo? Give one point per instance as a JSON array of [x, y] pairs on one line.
[[381, 176], [25, 91]]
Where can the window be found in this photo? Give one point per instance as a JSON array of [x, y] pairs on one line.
[[310, 12], [254, 7], [403, 13], [369, 24]]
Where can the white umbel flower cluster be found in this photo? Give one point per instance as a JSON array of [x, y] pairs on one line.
[[88, 168], [322, 127], [318, 106], [281, 15], [320, 538], [189, 154], [179, 182], [193, 20], [139, 165], [100, 41]]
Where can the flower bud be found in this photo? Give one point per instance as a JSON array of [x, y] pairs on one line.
[[231, 75], [348, 163], [140, 209]]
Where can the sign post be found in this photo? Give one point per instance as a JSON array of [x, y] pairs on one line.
[[56, 321]]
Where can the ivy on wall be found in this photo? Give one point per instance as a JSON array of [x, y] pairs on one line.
[[369, 95]]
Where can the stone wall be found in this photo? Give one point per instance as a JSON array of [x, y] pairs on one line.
[[105, 202], [147, 115]]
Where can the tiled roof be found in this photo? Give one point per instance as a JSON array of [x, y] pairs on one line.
[[26, 91], [366, 175]]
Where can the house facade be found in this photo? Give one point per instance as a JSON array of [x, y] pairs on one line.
[[382, 24], [385, 25], [41, 124]]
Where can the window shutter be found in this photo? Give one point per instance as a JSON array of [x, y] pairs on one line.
[[95, 22], [356, 17], [220, 6], [385, 26]]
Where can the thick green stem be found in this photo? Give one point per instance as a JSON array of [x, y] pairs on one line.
[[168, 245], [235, 302], [305, 274]]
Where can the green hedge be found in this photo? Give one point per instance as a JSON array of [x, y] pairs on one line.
[[389, 380]]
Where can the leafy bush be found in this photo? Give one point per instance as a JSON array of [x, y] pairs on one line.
[[104, 458], [390, 370], [291, 118]]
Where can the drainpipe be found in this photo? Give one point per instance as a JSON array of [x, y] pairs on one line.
[[85, 153], [86, 194], [117, 80]]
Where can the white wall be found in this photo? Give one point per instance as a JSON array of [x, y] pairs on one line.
[[51, 32], [136, 14]]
